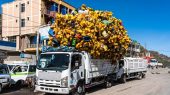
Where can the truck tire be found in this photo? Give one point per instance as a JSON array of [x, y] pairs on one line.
[[32, 85], [80, 89], [139, 77], [108, 83], [0, 88], [143, 75], [123, 78], [19, 84]]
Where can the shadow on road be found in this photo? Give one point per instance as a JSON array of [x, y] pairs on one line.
[[9, 89], [27, 91], [13, 90], [99, 87]]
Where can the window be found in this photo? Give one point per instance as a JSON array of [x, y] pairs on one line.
[[76, 60], [3, 71], [23, 7], [28, 18], [22, 22], [70, 11], [63, 10], [54, 7], [16, 20], [19, 68], [28, 2], [32, 68], [12, 39], [16, 5]]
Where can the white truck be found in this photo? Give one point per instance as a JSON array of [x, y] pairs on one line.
[[153, 62], [72, 72], [5, 77]]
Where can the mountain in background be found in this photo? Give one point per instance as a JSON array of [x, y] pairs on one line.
[[161, 57]]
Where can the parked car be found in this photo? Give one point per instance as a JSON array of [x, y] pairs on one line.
[[5, 77], [22, 74]]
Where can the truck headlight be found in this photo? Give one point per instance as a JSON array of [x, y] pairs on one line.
[[36, 80], [64, 82]]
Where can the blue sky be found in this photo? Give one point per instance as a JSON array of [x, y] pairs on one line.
[[147, 21]]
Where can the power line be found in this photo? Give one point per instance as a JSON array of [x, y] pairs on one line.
[[17, 27], [16, 17], [30, 0], [23, 30], [9, 15]]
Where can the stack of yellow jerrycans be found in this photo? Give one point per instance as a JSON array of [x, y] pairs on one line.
[[94, 31]]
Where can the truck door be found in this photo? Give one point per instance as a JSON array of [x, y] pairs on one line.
[[77, 68], [121, 68]]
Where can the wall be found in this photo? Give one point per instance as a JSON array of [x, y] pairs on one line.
[[10, 16]]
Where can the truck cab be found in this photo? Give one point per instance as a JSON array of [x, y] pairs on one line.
[[153, 62], [59, 72], [71, 72], [5, 77]]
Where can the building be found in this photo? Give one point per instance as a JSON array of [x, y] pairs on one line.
[[22, 19], [134, 49], [8, 51]]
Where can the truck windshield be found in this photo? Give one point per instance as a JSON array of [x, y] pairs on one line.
[[53, 61], [153, 60]]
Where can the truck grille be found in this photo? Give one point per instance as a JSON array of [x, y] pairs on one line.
[[49, 83], [49, 75]]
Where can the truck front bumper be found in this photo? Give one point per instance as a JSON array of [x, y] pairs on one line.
[[55, 90]]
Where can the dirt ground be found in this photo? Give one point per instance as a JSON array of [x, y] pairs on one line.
[[157, 82]]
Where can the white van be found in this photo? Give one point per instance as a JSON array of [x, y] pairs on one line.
[[4, 76], [22, 73]]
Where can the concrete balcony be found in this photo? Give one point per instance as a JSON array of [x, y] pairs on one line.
[[32, 48]]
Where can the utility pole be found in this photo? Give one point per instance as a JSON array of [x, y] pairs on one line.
[[19, 26], [146, 49]]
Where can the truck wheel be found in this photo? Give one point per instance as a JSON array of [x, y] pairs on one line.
[[0, 88], [140, 76], [123, 78], [108, 83], [32, 85], [143, 75], [19, 84], [80, 90]]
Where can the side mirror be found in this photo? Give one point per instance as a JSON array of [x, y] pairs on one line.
[[76, 64], [14, 72]]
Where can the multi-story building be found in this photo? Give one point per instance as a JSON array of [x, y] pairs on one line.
[[134, 49], [22, 19]]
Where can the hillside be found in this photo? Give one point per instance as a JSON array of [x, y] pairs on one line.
[[161, 57]]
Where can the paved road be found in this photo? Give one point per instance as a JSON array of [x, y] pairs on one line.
[[157, 82]]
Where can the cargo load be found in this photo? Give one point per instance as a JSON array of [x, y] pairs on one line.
[[97, 32]]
